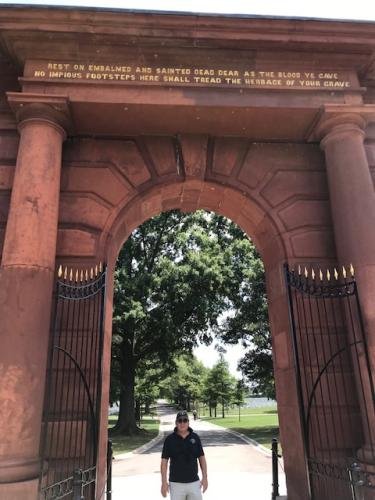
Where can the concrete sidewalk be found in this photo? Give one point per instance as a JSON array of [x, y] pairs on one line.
[[236, 469]]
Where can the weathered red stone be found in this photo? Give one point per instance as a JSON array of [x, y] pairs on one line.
[[136, 147]]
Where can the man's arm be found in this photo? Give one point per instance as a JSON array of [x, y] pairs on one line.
[[164, 483], [203, 465]]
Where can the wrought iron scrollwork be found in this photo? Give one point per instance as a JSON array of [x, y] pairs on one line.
[[58, 490], [319, 285]]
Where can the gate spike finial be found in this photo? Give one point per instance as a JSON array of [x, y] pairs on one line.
[[60, 271], [77, 276], [100, 267], [86, 275], [312, 273], [352, 272], [299, 270], [65, 273], [320, 275], [344, 271], [306, 272], [71, 275], [336, 274], [328, 275], [91, 273], [81, 276], [96, 270]]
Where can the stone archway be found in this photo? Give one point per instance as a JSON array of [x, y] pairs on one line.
[[201, 176], [225, 200], [100, 148]]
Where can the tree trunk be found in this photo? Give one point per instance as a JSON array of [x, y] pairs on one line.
[[138, 410], [126, 423], [147, 407]]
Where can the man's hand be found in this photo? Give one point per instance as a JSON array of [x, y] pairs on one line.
[[204, 484], [164, 489]]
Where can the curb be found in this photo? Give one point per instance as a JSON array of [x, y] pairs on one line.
[[259, 447], [143, 448]]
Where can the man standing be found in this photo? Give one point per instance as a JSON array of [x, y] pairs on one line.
[[183, 447]]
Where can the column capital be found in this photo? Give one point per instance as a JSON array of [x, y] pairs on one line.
[[51, 109], [334, 120]]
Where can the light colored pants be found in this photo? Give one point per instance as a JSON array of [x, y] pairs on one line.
[[186, 491]]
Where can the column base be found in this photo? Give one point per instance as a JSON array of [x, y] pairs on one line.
[[19, 470], [23, 490]]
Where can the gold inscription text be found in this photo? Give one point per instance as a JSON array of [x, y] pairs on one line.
[[223, 77]]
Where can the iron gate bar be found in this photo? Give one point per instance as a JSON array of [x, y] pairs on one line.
[[68, 422], [87, 389], [337, 346], [367, 357], [317, 357], [329, 341], [69, 440], [298, 370], [330, 348], [364, 399], [312, 395], [73, 382]]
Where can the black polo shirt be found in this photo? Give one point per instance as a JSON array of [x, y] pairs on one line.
[[183, 454]]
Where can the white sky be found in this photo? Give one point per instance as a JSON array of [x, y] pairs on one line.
[[209, 356], [325, 9]]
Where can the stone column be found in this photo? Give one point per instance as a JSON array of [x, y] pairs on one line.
[[26, 281], [352, 198]]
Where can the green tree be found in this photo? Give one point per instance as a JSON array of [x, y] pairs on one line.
[[219, 385], [147, 386], [157, 310], [184, 387], [239, 395], [248, 319], [175, 277]]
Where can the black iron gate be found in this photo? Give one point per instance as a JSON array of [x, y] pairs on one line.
[[72, 396], [334, 381]]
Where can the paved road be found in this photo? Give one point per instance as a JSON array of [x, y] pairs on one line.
[[235, 468]]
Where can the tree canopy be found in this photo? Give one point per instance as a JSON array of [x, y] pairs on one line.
[[176, 276]]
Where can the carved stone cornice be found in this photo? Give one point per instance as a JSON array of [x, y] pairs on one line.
[[52, 109], [20, 26], [340, 119]]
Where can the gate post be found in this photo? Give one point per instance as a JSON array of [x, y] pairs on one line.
[[26, 281], [78, 485], [352, 198], [275, 470]]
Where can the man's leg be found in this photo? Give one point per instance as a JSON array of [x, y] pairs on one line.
[[178, 490], [194, 491]]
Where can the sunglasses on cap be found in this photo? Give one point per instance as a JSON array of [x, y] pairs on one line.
[[182, 420]]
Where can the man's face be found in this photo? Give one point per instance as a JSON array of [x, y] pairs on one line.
[[182, 423]]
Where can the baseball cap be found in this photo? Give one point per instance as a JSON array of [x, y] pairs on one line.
[[182, 414]]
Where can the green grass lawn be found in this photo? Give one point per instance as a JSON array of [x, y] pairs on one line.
[[260, 424], [124, 444]]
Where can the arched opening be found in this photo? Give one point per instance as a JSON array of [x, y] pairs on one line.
[[258, 225], [181, 278]]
